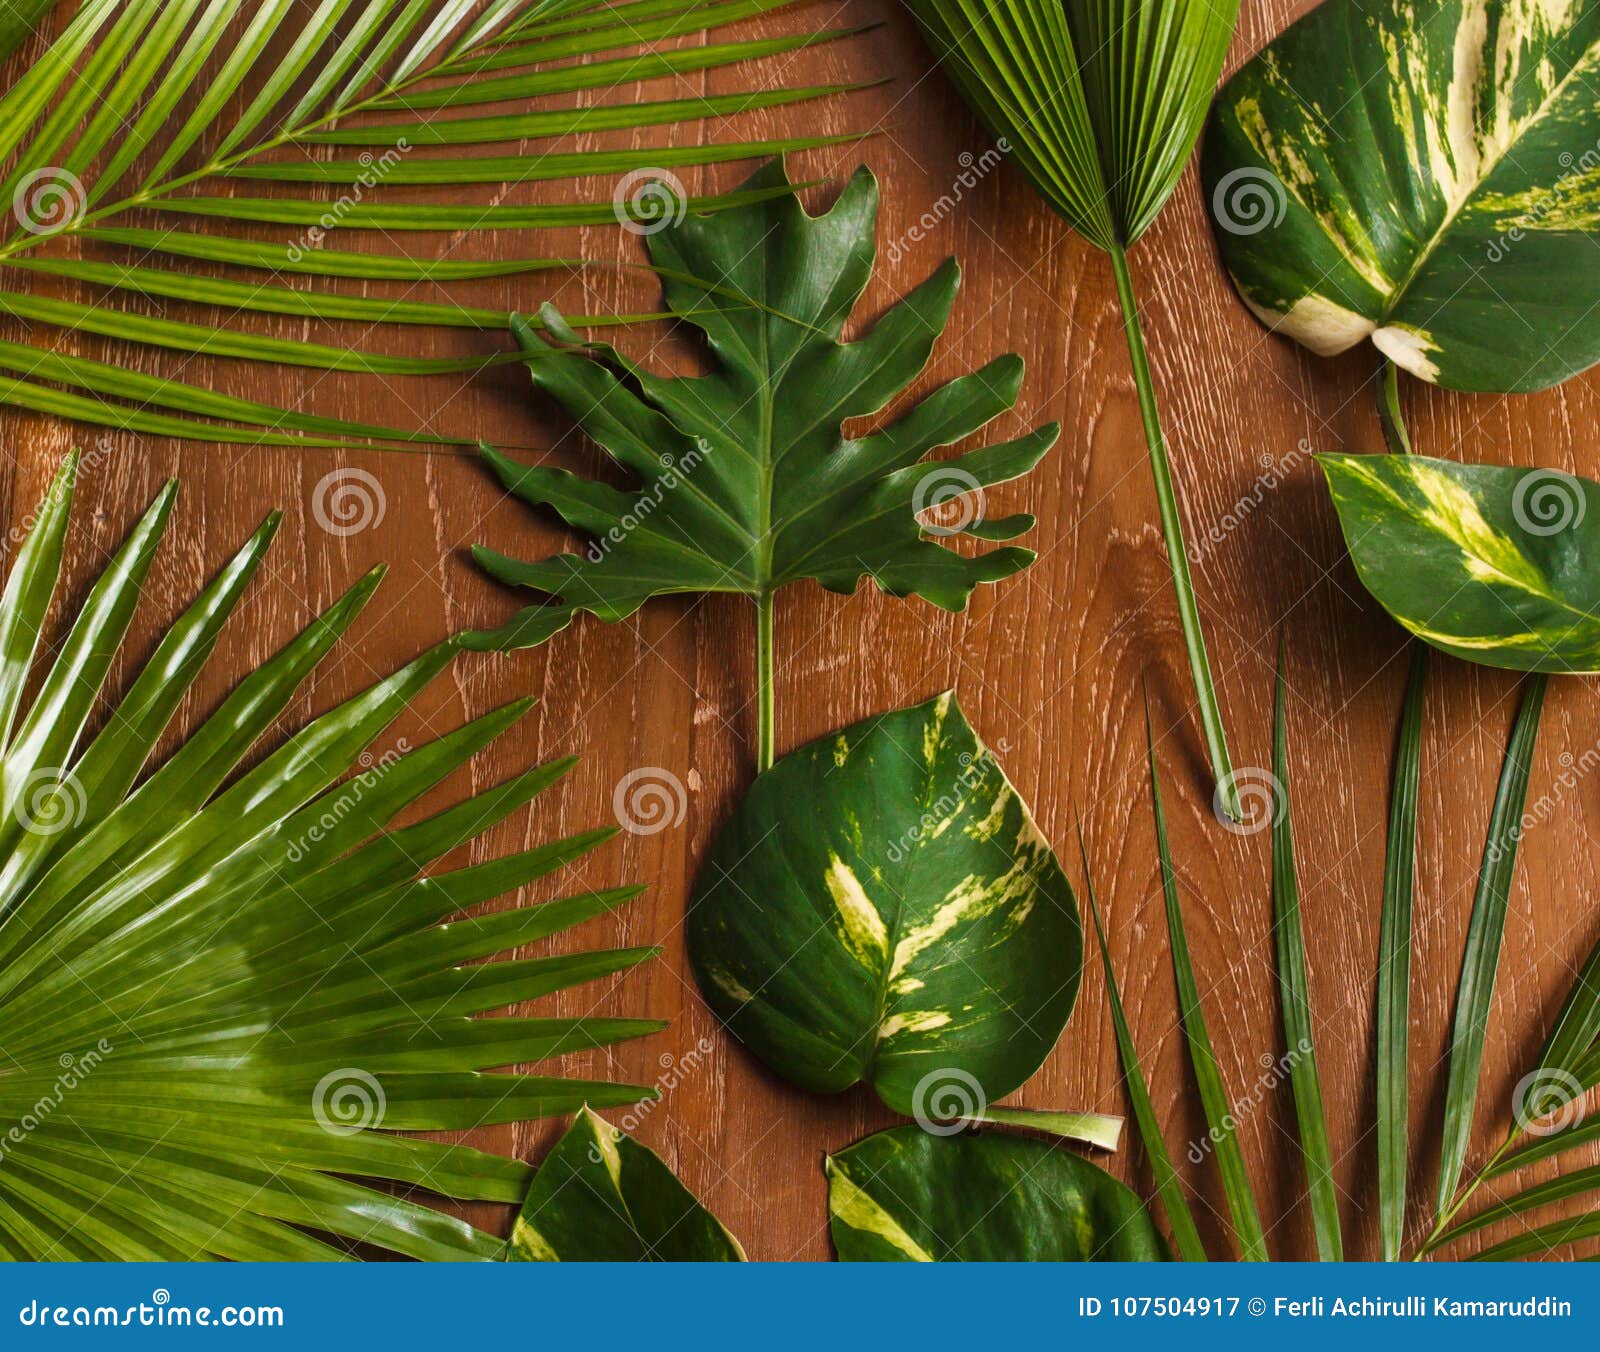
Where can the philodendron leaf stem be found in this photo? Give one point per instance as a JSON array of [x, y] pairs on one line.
[[1389, 414], [1227, 797], [764, 701]]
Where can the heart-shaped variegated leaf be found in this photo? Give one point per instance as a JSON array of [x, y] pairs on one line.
[[909, 1195], [601, 1197], [883, 908], [1491, 564], [1426, 175]]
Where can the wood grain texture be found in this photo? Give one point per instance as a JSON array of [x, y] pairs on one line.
[[1050, 666]]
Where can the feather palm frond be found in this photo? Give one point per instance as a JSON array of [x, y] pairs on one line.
[[144, 153], [223, 1000]]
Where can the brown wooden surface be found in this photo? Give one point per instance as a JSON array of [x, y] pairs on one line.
[[1049, 666]]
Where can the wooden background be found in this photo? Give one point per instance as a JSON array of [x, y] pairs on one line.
[[1049, 666]]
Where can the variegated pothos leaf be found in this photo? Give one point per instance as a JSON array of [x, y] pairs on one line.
[[908, 1195], [883, 908], [1425, 173], [1491, 564], [601, 1197]]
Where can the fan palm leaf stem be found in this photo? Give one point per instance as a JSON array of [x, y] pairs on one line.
[[1446, 1216], [1194, 642]]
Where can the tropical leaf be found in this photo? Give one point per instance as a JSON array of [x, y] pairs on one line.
[[1486, 563], [1221, 1133], [223, 1000], [1406, 172], [908, 1195], [1099, 104], [601, 1197], [142, 128], [1168, 1185], [744, 480], [1392, 1020], [1295, 999], [911, 928]]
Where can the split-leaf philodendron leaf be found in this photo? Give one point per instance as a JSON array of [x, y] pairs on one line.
[[1491, 564], [601, 1197], [882, 908], [743, 480], [1423, 174], [908, 1195]]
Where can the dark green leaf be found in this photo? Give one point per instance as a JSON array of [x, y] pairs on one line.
[[601, 1197], [910, 928], [743, 479], [910, 1196]]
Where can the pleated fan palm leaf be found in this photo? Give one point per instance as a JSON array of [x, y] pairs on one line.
[[222, 999], [1099, 103], [141, 144]]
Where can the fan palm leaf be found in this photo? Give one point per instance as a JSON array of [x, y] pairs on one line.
[[136, 143], [1099, 102], [222, 1000]]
